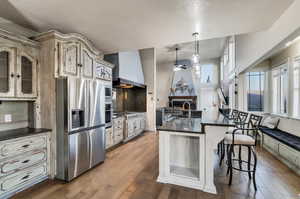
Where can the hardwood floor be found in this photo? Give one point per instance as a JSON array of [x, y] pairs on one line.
[[130, 172]]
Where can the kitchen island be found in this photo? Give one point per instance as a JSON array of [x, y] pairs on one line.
[[187, 151]]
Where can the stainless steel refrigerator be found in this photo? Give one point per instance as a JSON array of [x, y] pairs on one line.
[[80, 107]]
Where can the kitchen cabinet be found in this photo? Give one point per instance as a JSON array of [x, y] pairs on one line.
[[115, 135], [135, 125], [74, 56], [7, 71], [102, 71], [109, 138], [18, 73], [69, 56], [24, 162], [87, 67], [26, 76]]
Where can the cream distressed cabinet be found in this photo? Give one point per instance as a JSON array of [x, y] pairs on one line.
[[73, 55], [24, 162], [69, 57], [18, 69]]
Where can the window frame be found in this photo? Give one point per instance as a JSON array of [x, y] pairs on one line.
[[296, 60], [282, 66], [262, 85]]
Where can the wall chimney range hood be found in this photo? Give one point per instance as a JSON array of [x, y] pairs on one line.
[[128, 71]]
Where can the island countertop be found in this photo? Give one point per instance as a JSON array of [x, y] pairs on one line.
[[194, 125]]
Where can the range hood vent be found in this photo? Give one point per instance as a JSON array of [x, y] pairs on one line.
[[128, 71]]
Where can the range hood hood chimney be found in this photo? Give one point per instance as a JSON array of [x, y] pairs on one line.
[[128, 71]]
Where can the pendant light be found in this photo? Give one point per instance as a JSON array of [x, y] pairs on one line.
[[177, 66], [196, 55]]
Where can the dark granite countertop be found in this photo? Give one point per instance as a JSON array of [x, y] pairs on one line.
[[194, 125], [21, 132]]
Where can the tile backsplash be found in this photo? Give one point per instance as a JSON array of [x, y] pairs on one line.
[[17, 114]]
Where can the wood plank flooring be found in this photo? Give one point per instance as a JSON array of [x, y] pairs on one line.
[[130, 172]]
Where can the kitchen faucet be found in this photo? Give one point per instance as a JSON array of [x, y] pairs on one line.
[[190, 112]]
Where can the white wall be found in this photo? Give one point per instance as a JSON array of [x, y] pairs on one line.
[[164, 74], [252, 47], [148, 60], [204, 92]]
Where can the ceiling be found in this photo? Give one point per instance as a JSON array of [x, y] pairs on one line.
[[208, 49], [115, 25]]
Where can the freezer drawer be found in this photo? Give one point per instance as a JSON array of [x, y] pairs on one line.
[[97, 146], [79, 156]]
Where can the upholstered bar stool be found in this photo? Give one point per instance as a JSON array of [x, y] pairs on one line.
[[240, 122], [233, 115], [243, 137]]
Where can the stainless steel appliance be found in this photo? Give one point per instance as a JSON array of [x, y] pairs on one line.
[[108, 114], [108, 93], [80, 126]]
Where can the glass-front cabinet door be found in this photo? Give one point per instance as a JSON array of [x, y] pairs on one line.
[[7, 73], [26, 76]]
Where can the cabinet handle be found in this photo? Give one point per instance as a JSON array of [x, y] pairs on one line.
[[25, 146], [25, 177], [18, 76], [80, 65], [25, 161], [12, 75]]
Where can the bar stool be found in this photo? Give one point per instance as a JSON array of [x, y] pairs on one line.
[[248, 140], [233, 115], [240, 123]]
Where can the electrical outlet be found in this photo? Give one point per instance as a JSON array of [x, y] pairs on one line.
[[7, 118]]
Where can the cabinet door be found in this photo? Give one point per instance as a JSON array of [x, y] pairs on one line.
[[69, 59], [26, 76], [7, 72], [87, 63]]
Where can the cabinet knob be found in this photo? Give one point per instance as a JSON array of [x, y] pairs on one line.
[[18, 76], [12, 75]]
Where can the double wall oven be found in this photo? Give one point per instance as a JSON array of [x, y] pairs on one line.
[[108, 105]]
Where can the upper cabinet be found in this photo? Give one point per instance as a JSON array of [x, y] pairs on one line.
[[74, 55], [87, 66], [69, 56], [26, 76], [7, 72], [18, 67]]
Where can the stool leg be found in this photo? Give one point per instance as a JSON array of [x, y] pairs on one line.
[[230, 163], [240, 156], [228, 156], [254, 168], [249, 161], [222, 153]]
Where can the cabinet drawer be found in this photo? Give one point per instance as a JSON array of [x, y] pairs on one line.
[[271, 143], [17, 163], [22, 178], [288, 154], [27, 144]]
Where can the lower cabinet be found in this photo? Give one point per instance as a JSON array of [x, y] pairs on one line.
[[109, 137], [286, 154], [135, 126], [23, 162]]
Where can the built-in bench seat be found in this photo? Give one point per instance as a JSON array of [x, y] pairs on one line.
[[284, 142], [282, 136]]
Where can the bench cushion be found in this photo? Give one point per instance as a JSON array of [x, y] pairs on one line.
[[284, 137]]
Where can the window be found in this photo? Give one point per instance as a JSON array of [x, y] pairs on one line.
[[296, 88], [255, 92], [207, 73], [280, 89], [232, 95]]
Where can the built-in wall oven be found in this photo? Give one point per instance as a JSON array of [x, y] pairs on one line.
[[108, 114], [108, 93]]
